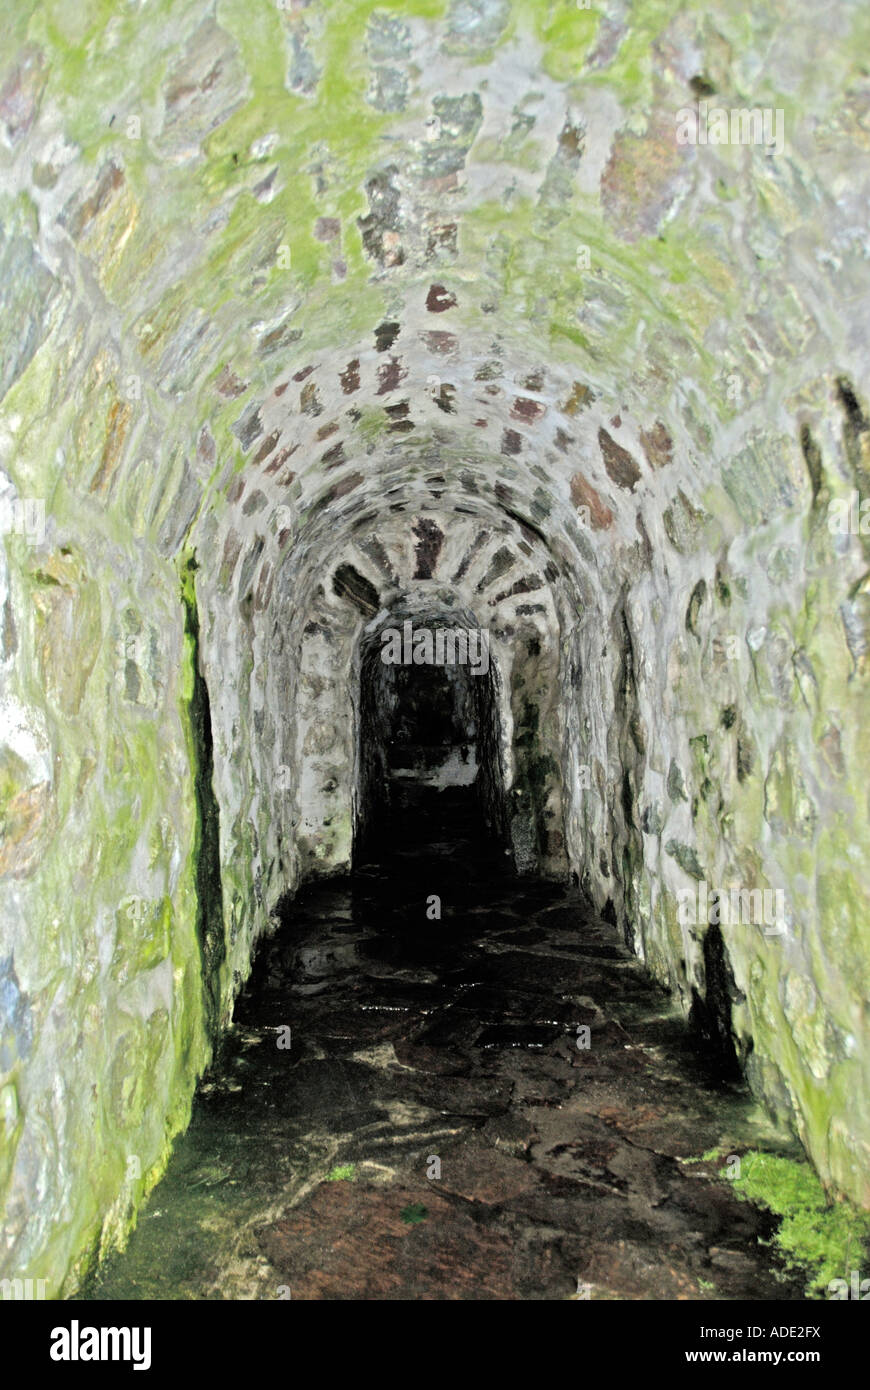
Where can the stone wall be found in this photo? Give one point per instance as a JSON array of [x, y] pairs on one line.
[[282, 288], [725, 742]]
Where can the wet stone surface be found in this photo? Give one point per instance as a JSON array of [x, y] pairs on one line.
[[452, 1047]]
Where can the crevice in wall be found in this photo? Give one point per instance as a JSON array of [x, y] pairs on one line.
[[711, 1013], [628, 753], [206, 850]]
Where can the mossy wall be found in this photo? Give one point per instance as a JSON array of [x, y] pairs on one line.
[[742, 743], [101, 966], [279, 282]]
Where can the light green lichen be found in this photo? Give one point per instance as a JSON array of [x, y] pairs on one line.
[[343, 1172], [816, 1238]]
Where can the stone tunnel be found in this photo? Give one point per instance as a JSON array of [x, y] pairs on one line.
[[320, 319]]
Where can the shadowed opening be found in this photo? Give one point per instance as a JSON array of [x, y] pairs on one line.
[[429, 760]]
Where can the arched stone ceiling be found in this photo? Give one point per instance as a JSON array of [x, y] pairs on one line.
[[322, 186]]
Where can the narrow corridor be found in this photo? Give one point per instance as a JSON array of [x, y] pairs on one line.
[[424, 420], [438, 1127]]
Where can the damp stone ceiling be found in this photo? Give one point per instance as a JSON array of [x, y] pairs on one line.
[[314, 313]]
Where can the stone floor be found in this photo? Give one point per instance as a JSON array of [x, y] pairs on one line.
[[437, 1128]]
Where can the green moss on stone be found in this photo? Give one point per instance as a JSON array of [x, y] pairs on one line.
[[821, 1239], [344, 1172], [414, 1214]]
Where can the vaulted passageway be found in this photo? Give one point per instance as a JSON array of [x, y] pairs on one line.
[[322, 318]]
